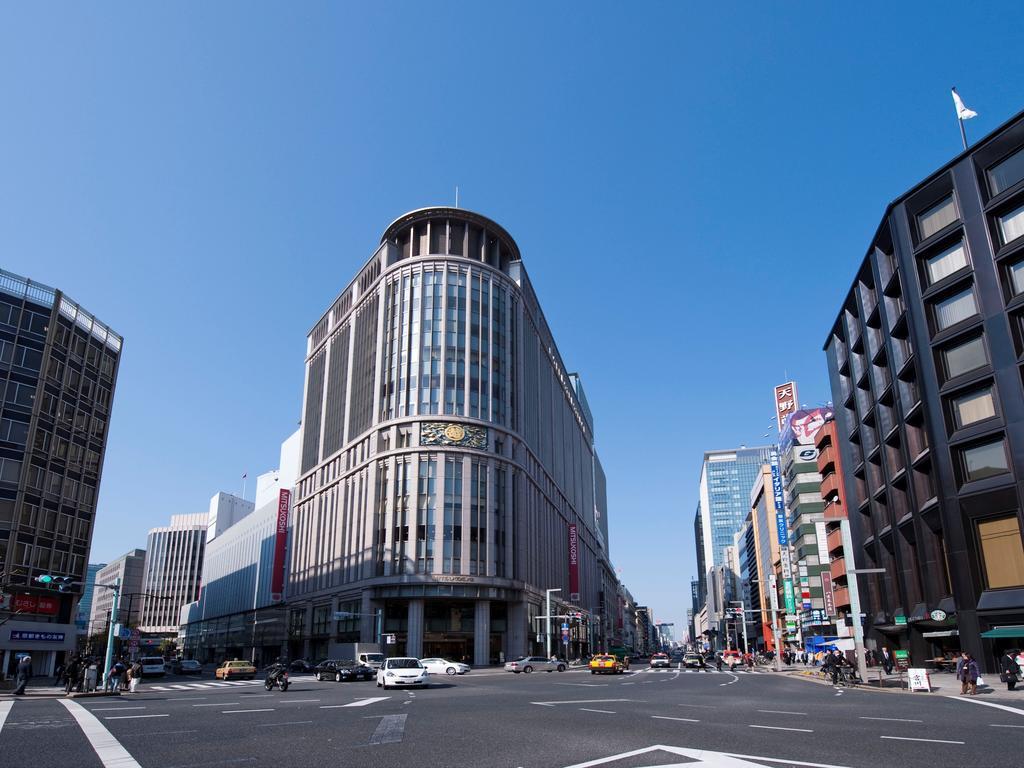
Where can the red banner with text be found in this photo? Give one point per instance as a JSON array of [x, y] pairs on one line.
[[280, 547]]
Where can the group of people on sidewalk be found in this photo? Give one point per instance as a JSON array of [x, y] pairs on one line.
[[1011, 671], [82, 675]]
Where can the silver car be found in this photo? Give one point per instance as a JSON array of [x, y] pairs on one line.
[[529, 664]]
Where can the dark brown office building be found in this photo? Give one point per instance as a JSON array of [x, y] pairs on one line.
[[926, 360], [58, 365]]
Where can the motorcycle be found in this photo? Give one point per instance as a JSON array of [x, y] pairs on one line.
[[277, 675]]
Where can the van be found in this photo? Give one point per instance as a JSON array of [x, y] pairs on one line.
[[152, 666]]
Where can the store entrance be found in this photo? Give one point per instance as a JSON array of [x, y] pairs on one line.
[[452, 649]]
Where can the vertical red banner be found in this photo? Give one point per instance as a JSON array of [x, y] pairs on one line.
[[574, 564], [280, 547], [828, 594]]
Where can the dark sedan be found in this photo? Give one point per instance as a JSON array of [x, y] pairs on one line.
[[344, 670]]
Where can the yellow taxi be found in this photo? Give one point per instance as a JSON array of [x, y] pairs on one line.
[[233, 670], [605, 663]]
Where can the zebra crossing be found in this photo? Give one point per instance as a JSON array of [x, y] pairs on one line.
[[201, 686]]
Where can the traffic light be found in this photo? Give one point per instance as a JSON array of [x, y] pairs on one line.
[[63, 583]]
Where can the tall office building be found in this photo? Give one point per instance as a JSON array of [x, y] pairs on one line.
[[58, 367], [85, 602], [924, 359], [174, 564], [448, 464], [129, 568]]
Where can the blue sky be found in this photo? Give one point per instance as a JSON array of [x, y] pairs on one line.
[[692, 189]]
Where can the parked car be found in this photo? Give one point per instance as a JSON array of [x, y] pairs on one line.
[[342, 671], [606, 663], [693, 660], [235, 670], [152, 666], [660, 660], [535, 663], [301, 665], [445, 667], [184, 667], [402, 670]]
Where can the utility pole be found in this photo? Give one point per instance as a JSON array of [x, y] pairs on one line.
[[547, 622], [849, 557], [113, 622]]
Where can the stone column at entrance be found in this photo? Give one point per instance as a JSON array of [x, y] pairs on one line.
[[414, 633], [515, 634], [368, 619], [482, 633]]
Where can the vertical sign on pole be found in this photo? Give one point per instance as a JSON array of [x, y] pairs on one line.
[[574, 564], [826, 590], [782, 530], [280, 547]]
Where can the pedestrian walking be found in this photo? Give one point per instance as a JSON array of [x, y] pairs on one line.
[[1008, 670], [58, 674], [92, 675], [72, 673], [967, 673], [22, 675], [135, 670], [887, 661]]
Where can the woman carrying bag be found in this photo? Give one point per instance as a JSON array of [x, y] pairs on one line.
[[1008, 670]]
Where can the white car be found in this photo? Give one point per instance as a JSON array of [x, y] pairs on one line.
[[402, 670], [445, 667]]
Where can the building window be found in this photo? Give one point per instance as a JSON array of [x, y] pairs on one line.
[[955, 309], [965, 357], [947, 262], [1002, 554], [936, 218], [973, 407], [985, 460], [1007, 173], [1016, 273], [1011, 225]]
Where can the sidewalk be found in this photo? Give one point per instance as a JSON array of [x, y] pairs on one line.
[[47, 691], [942, 683]]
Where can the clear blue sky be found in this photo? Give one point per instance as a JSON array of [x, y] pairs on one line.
[[692, 190]]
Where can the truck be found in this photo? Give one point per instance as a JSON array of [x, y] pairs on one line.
[[364, 653]]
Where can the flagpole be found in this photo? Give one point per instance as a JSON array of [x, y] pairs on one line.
[[963, 133]]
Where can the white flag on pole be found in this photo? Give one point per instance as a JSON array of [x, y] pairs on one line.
[[962, 112]]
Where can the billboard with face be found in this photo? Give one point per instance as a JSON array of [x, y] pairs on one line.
[[803, 426]]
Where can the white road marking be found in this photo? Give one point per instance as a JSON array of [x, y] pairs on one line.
[[5, 710], [908, 738], [780, 712], [218, 685], [293, 722], [107, 748], [578, 701], [988, 704], [390, 730], [298, 701], [703, 756], [698, 706], [179, 687], [113, 709], [364, 702], [680, 719], [132, 717], [586, 685], [220, 704], [599, 711], [780, 728], [893, 719], [240, 711], [999, 725]]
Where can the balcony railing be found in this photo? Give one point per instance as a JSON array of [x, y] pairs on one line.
[[835, 540]]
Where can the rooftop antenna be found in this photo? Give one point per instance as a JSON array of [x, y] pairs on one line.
[[456, 195]]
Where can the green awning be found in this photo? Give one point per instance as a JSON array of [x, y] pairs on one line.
[[1017, 631]]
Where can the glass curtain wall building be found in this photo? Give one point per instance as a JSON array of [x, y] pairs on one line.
[[448, 464], [58, 366], [925, 359]]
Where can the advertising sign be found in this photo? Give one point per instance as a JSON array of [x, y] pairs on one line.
[[902, 659], [33, 604], [280, 546], [574, 564], [822, 537], [803, 426], [826, 590], [37, 637], [918, 680], [782, 530], [938, 615], [785, 402]]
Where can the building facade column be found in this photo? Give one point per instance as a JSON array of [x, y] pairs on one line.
[[368, 619], [515, 634], [482, 633], [307, 630], [414, 631]]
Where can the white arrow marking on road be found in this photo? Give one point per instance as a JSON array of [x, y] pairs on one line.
[[364, 702], [107, 748], [577, 701]]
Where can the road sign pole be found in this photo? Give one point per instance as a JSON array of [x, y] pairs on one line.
[[110, 632]]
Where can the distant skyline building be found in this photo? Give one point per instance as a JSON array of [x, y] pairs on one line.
[[58, 368], [448, 471], [129, 567], [924, 359], [85, 602], [174, 563]]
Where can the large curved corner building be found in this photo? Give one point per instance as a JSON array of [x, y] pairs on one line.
[[448, 472]]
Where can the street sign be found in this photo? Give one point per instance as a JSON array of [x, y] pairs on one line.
[[390, 639], [901, 621], [565, 627], [122, 632], [540, 638]]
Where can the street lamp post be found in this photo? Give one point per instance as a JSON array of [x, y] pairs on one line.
[[547, 622]]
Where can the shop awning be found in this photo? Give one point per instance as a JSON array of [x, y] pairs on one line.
[[1017, 631], [943, 633]]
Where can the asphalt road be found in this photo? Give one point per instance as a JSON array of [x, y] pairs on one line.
[[493, 718]]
